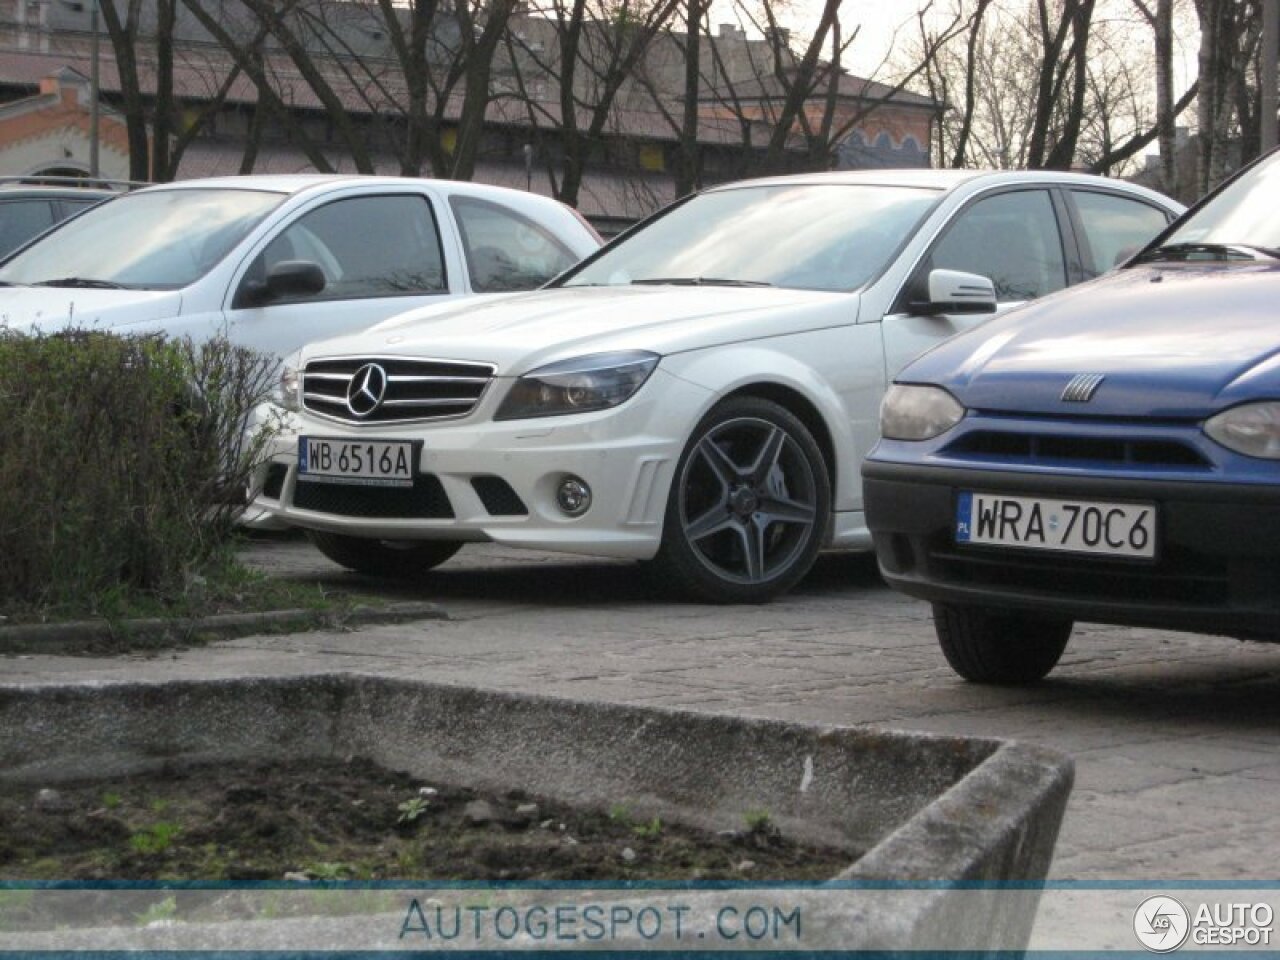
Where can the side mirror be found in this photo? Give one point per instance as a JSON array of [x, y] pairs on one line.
[[288, 278], [954, 291]]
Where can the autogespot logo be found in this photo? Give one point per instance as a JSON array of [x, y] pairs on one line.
[[1161, 924]]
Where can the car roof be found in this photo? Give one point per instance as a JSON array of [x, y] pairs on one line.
[[295, 183], [30, 191], [945, 179]]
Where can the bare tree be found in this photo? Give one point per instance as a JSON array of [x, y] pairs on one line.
[[124, 28], [596, 47], [796, 109], [1089, 75], [688, 173], [248, 57], [1160, 18], [411, 80], [148, 53], [973, 31], [1062, 82], [1230, 31], [436, 50]]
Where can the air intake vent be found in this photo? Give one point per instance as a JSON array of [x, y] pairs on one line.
[[274, 484], [393, 390], [425, 500], [498, 497], [1026, 448]]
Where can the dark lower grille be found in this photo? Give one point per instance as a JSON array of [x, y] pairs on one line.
[[1095, 451], [425, 500], [1178, 577], [274, 484], [498, 497]]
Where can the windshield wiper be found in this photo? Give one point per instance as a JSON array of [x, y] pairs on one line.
[[1216, 251], [82, 282], [699, 282]]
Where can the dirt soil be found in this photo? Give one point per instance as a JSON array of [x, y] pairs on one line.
[[355, 821]]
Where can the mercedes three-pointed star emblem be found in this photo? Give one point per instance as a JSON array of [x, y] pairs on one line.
[[367, 388]]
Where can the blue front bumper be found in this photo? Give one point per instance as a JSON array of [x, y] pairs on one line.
[[1217, 569]]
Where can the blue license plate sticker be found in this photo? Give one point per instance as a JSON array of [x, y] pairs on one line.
[[964, 517]]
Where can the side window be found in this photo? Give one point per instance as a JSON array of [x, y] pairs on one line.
[[504, 250], [20, 220], [1013, 238], [1114, 227], [70, 207], [383, 246]]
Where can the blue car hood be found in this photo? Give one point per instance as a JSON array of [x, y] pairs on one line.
[[1178, 341]]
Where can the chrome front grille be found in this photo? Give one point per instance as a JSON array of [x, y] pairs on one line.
[[392, 389]]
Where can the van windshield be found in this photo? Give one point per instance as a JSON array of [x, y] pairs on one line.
[[151, 240]]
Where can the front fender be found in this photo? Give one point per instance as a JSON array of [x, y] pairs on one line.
[[839, 376]]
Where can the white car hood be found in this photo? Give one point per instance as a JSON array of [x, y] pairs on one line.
[[47, 309], [526, 331]]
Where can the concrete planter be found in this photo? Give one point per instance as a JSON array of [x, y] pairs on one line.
[[912, 809]]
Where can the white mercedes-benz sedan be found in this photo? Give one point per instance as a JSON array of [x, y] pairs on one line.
[[697, 395]]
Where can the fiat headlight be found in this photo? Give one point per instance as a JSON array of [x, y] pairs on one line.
[[1251, 428], [578, 385], [914, 412], [287, 392]]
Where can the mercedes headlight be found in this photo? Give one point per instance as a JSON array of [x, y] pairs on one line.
[[914, 412], [1251, 428], [576, 386], [287, 392]]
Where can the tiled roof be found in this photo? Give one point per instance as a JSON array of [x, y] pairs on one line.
[[858, 88], [198, 74]]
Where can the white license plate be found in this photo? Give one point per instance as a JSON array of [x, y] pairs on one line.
[[1041, 523], [379, 463]]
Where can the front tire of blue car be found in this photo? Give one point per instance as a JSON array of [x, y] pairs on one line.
[[1001, 647]]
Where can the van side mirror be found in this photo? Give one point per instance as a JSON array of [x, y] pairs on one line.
[[954, 291]]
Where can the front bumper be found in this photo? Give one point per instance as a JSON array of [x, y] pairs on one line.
[[1216, 569], [481, 480]]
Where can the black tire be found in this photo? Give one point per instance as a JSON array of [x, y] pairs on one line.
[[1004, 647], [402, 559], [749, 507]]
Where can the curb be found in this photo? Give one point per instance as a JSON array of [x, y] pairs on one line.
[[915, 813], [76, 636]]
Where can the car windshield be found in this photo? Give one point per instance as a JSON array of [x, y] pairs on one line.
[[153, 240], [1242, 216], [804, 236]]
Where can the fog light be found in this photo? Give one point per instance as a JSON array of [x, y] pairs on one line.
[[573, 496]]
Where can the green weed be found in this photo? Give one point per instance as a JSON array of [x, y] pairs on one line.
[[156, 838], [412, 809], [650, 830]]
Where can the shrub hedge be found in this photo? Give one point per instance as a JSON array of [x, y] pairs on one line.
[[122, 464]]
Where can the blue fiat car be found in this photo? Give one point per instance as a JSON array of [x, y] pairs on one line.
[[1110, 453]]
